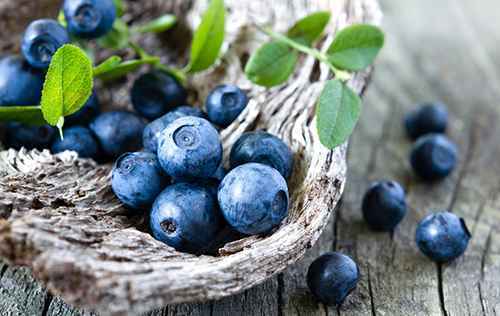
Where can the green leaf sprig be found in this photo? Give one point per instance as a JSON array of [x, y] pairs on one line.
[[70, 78], [353, 49], [205, 47]]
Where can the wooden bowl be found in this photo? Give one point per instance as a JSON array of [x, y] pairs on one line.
[[61, 219]]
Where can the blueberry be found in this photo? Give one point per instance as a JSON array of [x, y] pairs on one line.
[[225, 103], [220, 173], [20, 84], [332, 277], [118, 132], [264, 148], [190, 148], [433, 157], [253, 198], [427, 119], [156, 93], [79, 139], [89, 18], [137, 179], [442, 236], [85, 115], [185, 216], [384, 205], [153, 130], [41, 40], [30, 137]]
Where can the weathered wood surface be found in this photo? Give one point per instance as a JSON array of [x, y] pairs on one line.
[[445, 50]]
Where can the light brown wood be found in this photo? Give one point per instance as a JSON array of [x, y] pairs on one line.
[[63, 221]]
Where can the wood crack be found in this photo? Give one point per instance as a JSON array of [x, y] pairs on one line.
[[370, 291], [469, 151], [46, 305], [484, 254], [440, 289], [481, 299], [280, 296]]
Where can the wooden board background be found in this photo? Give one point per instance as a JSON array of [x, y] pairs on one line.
[[436, 50]]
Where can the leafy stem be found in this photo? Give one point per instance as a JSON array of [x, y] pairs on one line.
[[340, 74], [353, 49]]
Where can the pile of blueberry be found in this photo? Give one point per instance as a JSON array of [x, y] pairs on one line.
[[179, 177], [441, 236]]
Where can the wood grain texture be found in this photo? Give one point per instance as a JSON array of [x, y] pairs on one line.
[[62, 220], [436, 50]]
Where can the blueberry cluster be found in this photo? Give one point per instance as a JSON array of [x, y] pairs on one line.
[[441, 236], [22, 79], [179, 177]]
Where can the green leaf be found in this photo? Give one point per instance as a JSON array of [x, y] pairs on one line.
[[309, 29], [117, 38], [356, 47], [208, 38], [271, 64], [120, 7], [31, 115], [158, 25], [62, 19], [121, 69], [337, 113], [68, 83], [107, 65]]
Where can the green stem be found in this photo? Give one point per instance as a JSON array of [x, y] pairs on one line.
[[340, 74]]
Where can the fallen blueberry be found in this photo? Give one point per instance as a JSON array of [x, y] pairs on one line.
[[264, 148], [429, 118], [79, 139], [20, 84], [225, 103], [190, 148], [137, 179], [442, 236], [89, 18], [156, 93], [118, 132], [185, 216], [253, 198], [86, 114], [153, 130], [384, 205], [41, 40], [332, 277], [18, 135], [433, 157]]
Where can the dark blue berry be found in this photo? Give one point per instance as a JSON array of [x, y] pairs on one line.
[[41, 40], [431, 118], [190, 148], [30, 137], [118, 132], [332, 277], [253, 198], [225, 103], [185, 216], [79, 139], [384, 205], [153, 130], [264, 148], [442, 236], [156, 93], [89, 18], [20, 84], [137, 179], [433, 157], [86, 114]]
